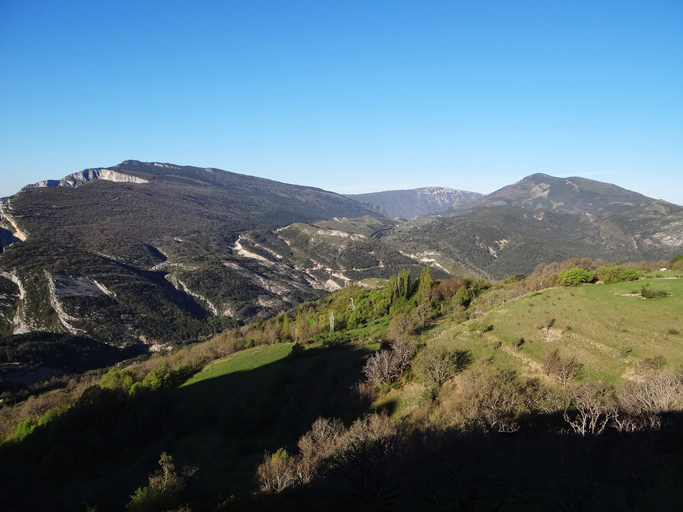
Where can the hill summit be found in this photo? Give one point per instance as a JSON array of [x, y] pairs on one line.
[[569, 195]]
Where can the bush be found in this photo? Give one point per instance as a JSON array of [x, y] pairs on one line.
[[491, 401], [464, 296], [163, 490], [592, 406], [609, 273], [436, 364], [648, 293], [400, 326], [118, 379], [630, 275], [574, 277]]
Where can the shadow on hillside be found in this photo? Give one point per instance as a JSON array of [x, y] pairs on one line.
[[44, 353], [103, 449], [284, 397], [525, 471]]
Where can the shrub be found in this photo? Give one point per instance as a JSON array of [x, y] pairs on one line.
[[651, 363], [400, 325], [436, 364], [491, 401], [163, 490], [118, 379], [630, 275], [574, 277], [659, 391], [609, 273], [648, 293]]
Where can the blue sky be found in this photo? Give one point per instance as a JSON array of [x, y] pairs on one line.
[[348, 96]]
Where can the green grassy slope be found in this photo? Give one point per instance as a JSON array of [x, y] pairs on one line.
[[608, 331]]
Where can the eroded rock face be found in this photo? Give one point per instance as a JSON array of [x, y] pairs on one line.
[[88, 175]]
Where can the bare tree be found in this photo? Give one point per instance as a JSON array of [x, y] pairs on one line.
[[564, 368], [547, 323], [642, 402], [277, 472], [317, 445], [369, 457], [388, 364], [594, 407]]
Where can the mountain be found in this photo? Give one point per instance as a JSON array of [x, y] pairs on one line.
[[141, 255], [570, 195], [148, 253], [408, 204]]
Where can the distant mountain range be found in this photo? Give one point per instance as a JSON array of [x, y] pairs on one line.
[[145, 254], [408, 204]]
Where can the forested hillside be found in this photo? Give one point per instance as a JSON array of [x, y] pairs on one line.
[[144, 256], [406, 393]]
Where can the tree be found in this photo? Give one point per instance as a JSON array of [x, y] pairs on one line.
[[400, 326], [388, 364], [298, 327], [422, 313], [436, 364], [630, 275], [316, 446], [465, 295], [286, 329], [277, 472], [425, 284], [676, 260], [594, 407], [163, 491], [574, 277], [547, 323], [564, 368], [403, 283]]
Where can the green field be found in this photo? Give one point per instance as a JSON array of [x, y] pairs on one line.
[[604, 327], [242, 362]]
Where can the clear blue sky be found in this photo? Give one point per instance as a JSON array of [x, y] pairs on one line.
[[351, 96]]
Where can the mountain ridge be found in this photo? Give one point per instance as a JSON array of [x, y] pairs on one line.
[[571, 195], [149, 254], [411, 203]]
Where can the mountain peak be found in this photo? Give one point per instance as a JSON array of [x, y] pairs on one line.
[[573, 194]]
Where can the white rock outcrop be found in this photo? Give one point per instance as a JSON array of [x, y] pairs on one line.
[[81, 178]]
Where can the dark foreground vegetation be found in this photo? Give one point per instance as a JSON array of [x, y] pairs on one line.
[[307, 411]]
